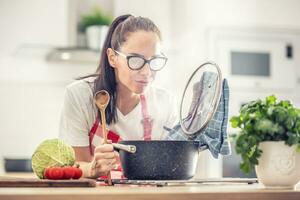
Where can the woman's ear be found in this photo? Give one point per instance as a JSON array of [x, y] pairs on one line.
[[111, 56]]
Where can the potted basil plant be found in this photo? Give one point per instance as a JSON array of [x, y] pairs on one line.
[[95, 25], [269, 141]]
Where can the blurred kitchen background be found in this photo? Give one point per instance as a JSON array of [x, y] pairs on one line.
[[255, 42]]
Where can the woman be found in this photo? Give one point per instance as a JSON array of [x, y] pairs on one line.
[[130, 59]]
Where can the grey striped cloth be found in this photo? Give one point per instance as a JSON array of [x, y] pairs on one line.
[[214, 137]]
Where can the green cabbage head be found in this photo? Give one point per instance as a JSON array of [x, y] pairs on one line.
[[53, 152]]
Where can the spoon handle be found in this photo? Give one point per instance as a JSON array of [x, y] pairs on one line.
[[103, 123], [104, 132]]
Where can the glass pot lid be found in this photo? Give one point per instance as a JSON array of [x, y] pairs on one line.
[[200, 98]]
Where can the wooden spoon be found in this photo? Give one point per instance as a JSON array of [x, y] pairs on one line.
[[102, 99]]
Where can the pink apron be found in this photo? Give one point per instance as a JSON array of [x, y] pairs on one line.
[[114, 137]]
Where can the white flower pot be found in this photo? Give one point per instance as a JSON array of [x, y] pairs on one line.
[[279, 165], [95, 36]]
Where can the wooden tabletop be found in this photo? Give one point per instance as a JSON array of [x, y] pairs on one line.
[[124, 192], [203, 192]]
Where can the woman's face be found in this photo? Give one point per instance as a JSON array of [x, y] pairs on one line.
[[146, 44]]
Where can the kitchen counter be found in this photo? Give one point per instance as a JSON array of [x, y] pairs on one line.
[[216, 191], [124, 192]]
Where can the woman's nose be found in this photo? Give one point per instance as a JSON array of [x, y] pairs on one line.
[[145, 70]]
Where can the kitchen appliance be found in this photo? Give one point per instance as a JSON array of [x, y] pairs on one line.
[[177, 160], [255, 58], [17, 165]]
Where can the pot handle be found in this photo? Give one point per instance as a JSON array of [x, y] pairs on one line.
[[202, 147], [127, 148]]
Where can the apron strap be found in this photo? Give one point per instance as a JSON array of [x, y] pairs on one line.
[[92, 134], [147, 120]]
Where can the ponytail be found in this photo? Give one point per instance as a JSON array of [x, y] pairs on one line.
[[106, 79]]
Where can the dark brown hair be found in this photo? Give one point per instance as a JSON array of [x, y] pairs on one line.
[[118, 32]]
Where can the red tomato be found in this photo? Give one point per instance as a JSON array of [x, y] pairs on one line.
[[68, 172], [56, 173], [46, 173], [78, 173]]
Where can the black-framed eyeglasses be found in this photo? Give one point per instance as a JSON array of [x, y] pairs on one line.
[[137, 62]]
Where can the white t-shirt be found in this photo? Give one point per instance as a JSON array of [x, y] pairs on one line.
[[79, 114]]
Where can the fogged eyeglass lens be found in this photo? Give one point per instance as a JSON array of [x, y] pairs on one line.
[[157, 63], [135, 62]]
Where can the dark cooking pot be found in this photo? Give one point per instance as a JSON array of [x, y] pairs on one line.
[[160, 160]]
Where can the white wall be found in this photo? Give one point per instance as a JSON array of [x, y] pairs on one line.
[[32, 22], [269, 13], [158, 11]]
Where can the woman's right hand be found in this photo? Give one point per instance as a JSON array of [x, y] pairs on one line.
[[105, 159]]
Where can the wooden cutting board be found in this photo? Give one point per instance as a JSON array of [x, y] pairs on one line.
[[35, 182]]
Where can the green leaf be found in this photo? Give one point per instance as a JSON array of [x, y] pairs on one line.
[[271, 100], [289, 123], [266, 126], [293, 138], [251, 152], [235, 120], [285, 104], [245, 167], [270, 110]]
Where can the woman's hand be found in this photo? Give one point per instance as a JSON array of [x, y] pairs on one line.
[[105, 159]]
